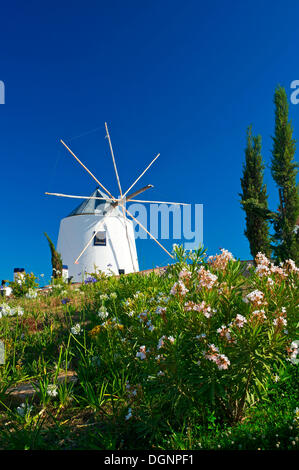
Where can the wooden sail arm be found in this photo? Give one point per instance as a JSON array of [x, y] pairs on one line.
[[132, 195], [88, 171], [141, 174], [152, 236]]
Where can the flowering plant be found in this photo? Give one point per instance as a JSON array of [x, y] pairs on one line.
[[218, 338], [24, 284]]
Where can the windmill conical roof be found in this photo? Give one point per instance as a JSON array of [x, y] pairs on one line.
[[94, 206]]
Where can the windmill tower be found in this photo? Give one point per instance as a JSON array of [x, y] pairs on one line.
[[97, 235], [113, 246]]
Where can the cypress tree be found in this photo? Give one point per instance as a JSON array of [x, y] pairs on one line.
[[254, 197], [284, 170], [55, 259]]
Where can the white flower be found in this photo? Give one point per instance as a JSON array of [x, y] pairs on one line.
[[103, 313], [129, 415], [161, 342], [52, 390], [203, 335], [160, 357], [75, 330], [31, 294], [141, 353], [104, 297], [296, 412], [23, 409], [160, 310], [150, 326], [18, 310], [7, 311]]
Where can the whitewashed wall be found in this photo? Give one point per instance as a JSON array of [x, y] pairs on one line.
[[76, 231]]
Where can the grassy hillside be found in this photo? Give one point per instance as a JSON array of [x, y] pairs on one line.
[[196, 357]]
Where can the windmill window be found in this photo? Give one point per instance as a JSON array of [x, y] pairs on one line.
[[100, 239]]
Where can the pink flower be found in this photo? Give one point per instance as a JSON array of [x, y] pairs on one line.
[[213, 355], [222, 362], [206, 278], [212, 352], [185, 274], [161, 342], [279, 322], [202, 307], [240, 321], [221, 261], [290, 265], [278, 270], [256, 297], [179, 288], [293, 350], [262, 270], [224, 332], [259, 315], [261, 259]]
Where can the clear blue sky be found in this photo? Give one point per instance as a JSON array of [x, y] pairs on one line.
[[181, 78]]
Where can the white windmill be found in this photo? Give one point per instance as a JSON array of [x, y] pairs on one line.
[[97, 234]]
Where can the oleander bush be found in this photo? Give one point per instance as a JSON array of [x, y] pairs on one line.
[[201, 356]]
